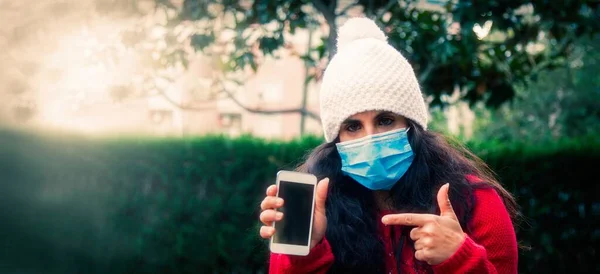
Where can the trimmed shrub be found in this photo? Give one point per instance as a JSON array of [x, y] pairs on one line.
[[76, 205]]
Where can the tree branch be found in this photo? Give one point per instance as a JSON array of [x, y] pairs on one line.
[[332, 5], [269, 112], [246, 108], [183, 107], [173, 102], [326, 11], [385, 9], [369, 9], [330, 17], [347, 8], [424, 75]]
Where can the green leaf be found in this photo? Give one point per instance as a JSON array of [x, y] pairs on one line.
[[321, 49], [308, 60], [201, 41], [270, 44]]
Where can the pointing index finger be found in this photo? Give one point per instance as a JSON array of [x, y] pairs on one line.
[[408, 219]]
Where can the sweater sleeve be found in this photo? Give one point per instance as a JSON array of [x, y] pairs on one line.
[[319, 260], [492, 245]]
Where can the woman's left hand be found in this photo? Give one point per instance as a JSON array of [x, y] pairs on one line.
[[436, 237]]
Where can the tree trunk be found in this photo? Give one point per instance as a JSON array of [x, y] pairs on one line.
[[330, 17], [306, 82]]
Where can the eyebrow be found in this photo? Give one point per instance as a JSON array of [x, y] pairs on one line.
[[384, 113], [379, 115], [350, 121]]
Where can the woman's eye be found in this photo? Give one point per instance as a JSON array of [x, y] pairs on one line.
[[385, 121], [353, 127]]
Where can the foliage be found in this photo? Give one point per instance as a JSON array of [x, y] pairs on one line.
[[561, 103], [554, 187], [517, 40], [514, 40], [73, 205]]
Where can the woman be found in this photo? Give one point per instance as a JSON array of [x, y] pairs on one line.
[[393, 197]]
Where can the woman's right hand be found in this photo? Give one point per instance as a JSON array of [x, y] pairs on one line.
[[270, 214]]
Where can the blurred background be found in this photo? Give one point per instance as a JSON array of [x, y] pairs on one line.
[[139, 136]]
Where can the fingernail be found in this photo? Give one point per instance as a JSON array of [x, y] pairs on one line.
[[278, 215], [384, 220], [279, 202]]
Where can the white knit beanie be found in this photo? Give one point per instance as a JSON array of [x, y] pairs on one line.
[[367, 74]]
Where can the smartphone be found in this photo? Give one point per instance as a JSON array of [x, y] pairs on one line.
[[293, 233]]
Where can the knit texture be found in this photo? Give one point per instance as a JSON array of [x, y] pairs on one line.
[[367, 74]]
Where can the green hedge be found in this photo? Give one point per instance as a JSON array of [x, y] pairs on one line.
[[75, 205]]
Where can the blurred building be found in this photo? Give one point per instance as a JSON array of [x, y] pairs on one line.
[[77, 98], [278, 84], [67, 90]]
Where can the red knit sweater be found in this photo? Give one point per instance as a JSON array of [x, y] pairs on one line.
[[491, 247]]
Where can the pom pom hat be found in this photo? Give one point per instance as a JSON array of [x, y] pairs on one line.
[[367, 74]]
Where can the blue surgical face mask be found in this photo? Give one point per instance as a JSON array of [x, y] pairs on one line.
[[377, 161]]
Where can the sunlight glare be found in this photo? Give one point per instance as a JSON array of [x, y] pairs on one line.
[[91, 61]]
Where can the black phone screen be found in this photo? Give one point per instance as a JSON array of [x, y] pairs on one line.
[[294, 228]]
